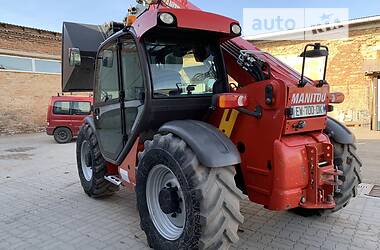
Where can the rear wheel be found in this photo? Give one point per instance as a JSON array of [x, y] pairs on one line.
[[346, 160], [182, 204], [63, 135], [91, 165]]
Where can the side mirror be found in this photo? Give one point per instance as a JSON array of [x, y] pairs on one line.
[[74, 57], [107, 59]]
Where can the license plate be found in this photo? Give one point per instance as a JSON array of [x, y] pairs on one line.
[[308, 110]]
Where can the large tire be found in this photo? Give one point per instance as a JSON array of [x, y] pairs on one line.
[[91, 165], [211, 198], [62, 135], [346, 160]]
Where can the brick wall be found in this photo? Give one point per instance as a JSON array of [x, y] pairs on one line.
[[23, 100], [22, 39], [345, 71], [24, 96]]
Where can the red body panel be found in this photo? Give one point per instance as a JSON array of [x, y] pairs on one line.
[[128, 166], [73, 122]]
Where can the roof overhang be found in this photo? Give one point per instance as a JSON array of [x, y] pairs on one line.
[[186, 19]]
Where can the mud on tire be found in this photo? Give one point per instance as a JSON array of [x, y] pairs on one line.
[[96, 186], [211, 197]]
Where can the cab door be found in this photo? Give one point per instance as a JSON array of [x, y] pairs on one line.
[[132, 84], [107, 111]]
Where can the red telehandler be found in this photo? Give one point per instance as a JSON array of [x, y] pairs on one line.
[[167, 123]]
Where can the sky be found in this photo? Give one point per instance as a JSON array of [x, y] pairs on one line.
[[49, 15]]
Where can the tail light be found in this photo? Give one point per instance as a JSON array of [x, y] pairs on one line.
[[336, 97], [231, 100]]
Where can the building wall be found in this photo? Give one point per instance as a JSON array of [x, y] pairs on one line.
[[23, 101], [345, 69], [24, 96]]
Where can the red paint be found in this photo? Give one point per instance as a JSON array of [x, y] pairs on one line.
[[186, 19], [275, 165], [129, 164]]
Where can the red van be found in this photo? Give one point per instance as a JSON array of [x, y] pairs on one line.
[[65, 116]]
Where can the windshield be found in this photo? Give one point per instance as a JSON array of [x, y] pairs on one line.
[[181, 69]]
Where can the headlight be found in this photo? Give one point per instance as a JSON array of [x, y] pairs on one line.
[[167, 18], [236, 29]]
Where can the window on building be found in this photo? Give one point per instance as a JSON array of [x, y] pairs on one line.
[[46, 66], [26, 64], [81, 108], [16, 63], [61, 108]]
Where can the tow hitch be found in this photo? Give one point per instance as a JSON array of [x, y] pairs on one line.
[[323, 177]]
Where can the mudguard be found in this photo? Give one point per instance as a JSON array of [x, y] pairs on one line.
[[90, 121], [211, 146], [338, 132]]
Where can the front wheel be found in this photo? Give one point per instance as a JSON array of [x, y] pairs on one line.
[[92, 167], [182, 204]]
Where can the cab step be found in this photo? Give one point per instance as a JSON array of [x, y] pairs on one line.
[[113, 179]]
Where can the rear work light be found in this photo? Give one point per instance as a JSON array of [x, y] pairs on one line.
[[231, 100], [336, 97]]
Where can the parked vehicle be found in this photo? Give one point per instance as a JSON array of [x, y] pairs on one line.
[[65, 116], [167, 123]]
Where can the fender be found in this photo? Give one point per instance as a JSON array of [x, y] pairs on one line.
[[90, 121], [211, 146], [338, 132]]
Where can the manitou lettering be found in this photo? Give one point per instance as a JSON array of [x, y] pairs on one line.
[[304, 98]]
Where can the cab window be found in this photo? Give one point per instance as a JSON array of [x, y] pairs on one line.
[[132, 74], [107, 76], [181, 68]]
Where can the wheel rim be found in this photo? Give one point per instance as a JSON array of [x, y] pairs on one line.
[[161, 180], [85, 158], [62, 135]]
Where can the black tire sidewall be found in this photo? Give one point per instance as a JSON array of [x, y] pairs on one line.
[[152, 158], [87, 185], [60, 130]]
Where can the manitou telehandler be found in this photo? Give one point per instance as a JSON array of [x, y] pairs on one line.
[[167, 122]]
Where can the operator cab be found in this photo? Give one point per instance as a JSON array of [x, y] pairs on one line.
[[149, 73]]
